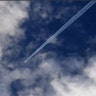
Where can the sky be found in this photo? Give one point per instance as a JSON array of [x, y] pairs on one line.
[[65, 67]]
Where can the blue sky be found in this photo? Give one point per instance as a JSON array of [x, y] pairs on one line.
[[65, 67]]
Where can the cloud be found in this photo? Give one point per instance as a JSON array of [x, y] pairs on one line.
[[7, 77], [47, 11], [58, 84], [10, 21], [49, 67], [0, 53], [31, 92], [49, 79], [12, 15], [90, 70], [47, 74], [84, 85], [41, 10]]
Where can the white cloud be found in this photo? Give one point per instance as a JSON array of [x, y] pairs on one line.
[[11, 16], [8, 77], [0, 53], [62, 85], [31, 92], [49, 67], [90, 70], [77, 85]]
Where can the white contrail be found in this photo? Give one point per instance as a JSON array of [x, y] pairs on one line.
[[66, 25]]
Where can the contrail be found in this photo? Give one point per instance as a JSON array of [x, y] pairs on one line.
[[66, 25]]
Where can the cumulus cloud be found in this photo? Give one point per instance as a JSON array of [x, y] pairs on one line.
[[7, 77], [12, 15], [48, 78], [58, 84], [31, 92], [84, 85], [90, 70], [0, 53]]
